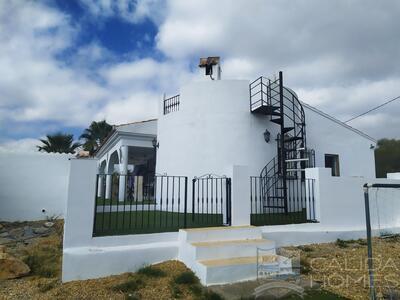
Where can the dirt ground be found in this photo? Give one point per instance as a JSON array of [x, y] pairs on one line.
[[340, 268]]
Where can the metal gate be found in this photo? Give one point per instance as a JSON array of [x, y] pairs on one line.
[[211, 200]]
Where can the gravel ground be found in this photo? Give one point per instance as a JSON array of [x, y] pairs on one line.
[[340, 268]]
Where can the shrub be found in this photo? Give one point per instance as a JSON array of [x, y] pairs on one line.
[[151, 271], [196, 289], [130, 286], [47, 286], [175, 290], [211, 295], [341, 243], [305, 266], [306, 248], [44, 260], [186, 277]]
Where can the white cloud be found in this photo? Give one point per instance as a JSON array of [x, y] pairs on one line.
[[130, 10], [337, 56], [20, 146]]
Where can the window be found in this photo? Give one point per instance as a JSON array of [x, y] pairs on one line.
[[332, 162]]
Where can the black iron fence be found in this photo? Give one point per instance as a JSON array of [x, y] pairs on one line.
[[128, 204], [171, 104], [270, 207], [211, 200]]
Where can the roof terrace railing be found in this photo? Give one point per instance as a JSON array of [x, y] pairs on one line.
[[171, 104]]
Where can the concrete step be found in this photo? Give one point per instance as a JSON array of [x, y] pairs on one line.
[[219, 234], [230, 249], [224, 271]]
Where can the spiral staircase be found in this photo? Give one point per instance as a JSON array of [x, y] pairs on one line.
[[270, 98]]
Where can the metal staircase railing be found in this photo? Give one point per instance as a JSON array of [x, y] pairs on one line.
[[271, 98]]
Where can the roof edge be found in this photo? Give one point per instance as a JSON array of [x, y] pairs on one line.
[[333, 119]]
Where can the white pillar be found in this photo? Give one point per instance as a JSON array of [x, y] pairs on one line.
[[123, 171], [100, 185], [240, 196], [108, 186]]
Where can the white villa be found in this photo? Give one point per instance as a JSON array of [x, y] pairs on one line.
[[228, 167]]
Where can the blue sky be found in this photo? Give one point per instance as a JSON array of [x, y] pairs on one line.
[[66, 63]]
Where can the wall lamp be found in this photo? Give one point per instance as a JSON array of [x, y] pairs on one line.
[[267, 135], [155, 143]]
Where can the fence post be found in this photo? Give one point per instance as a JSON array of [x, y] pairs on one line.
[[193, 197], [185, 218]]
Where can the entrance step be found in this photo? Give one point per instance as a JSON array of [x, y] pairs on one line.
[[227, 233], [230, 249], [220, 255], [222, 271]]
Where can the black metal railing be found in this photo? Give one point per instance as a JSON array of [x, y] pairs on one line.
[[268, 207], [128, 204], [171, 104], [211, 200]]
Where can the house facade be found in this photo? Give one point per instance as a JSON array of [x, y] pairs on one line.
[[204, 183]]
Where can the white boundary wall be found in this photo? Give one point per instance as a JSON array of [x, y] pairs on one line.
[[87, 257], [339, 207], [31, 182], [340, 210]]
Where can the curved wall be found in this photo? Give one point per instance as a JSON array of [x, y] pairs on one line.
[[214, 130]]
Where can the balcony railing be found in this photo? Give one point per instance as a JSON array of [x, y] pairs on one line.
[[171, 104]]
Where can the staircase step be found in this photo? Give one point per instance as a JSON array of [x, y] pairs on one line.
[[292, 138], [287, 129], [277, 121], [221, 271], [266, 110], [296, 159], [230, 249], [227, 233], [295, 150]]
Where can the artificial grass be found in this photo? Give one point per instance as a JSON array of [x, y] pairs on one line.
[[261, 219], [151, 221]]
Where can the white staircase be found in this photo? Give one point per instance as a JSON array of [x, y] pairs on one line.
[[220, 255]]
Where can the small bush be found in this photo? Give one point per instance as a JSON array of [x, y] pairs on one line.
[[175, 290], [306, 248], [47, 286], [130, 286], [211, 295], [341, 243], [44, 260], [186, 277], [151, 271], [305, 266], [196, 289], [362, 242]]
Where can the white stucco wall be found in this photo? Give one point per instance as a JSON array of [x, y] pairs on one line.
[[30, 182], [214, 130], [85, 256], [356, 158]]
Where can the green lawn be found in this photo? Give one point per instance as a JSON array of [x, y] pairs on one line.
[[278, 218], [135, 222]]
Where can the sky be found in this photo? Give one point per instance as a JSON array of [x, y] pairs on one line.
[[65, 63]]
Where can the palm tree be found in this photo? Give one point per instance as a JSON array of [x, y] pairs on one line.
[[59, 143], [95, 135]]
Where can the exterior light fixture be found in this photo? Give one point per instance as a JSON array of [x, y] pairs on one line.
[[372, 146], [155, 143], [267, 135]]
